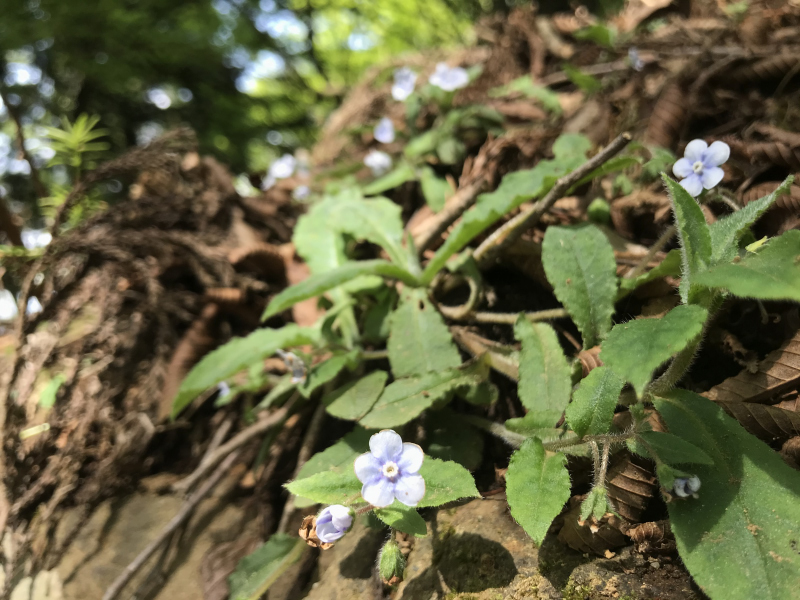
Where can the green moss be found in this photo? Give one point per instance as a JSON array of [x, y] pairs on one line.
[[576, 592]]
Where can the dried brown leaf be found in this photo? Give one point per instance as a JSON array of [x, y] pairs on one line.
[[668, 117], [636, 11], [777, 373], [769, 423], [654, 537], [767, 69], [790, 201], [790, 452], [630, 483], [593, 537]]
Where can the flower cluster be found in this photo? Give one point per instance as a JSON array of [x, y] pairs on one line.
[[390, 470], [699, 167]]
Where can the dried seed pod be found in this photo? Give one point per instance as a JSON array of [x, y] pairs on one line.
[[768, 69], [593, 537], [654, 537], [790, 201], [308, 532], [631, 484], [262, 258], [668, 117], [590, 360]]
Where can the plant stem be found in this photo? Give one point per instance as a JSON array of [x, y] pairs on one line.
[[676, 369], [374, 354]]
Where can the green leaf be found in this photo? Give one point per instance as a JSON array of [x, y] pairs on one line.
[[328, 487], [257, 571], [445, 481], [585, 82], [419, 340], [580, 264], [537, 487], [403, 518], [739, 538], [593, 403], [355, 399], [238, 354], [319, 283], [515, 188], [669, 267], [524, 85], [544, 376], [602, 35], [338, 458], [435, 189], [376, 318], [449, 437], [451, 150], [327, 370], [693, 232], [405, 399], [48, 396], [423, 144], [727, 231], [672, 450], [595, 505], [618, 163], [396, 177], [772, 273], [635, 349]]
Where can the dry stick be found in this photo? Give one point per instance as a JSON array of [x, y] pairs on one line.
[[511, 231], [38, 186], [235, 442], [217, 439], [306, 448], [183, 514], [654, 249], [456, 205]]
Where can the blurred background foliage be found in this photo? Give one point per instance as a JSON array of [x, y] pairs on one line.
[[254, 78]]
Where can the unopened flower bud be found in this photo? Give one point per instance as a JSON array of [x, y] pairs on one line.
[[686, 486], [391, 563]]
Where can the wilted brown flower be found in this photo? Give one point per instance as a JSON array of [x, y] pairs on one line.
[[308, 531]]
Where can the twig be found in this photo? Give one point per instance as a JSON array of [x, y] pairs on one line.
[[511, 231], [235, 442], [654, 249], [183, 514], [217, 439], [509, 318], [306, 448], [38, 186], [454, 208]]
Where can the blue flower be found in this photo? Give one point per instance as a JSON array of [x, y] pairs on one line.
[[333, 522], [281, 168], [686, 486], [699, 166], [378, 162], [390, 470], [301, 192], [384, 131], [636, 61], [404, 81], [449, 79]]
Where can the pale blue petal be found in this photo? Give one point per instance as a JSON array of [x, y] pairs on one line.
[[328, 532], [368, 468], [379, 493], [386, 445], [682, 168], [384, 131], [694, 150], [712, 176], [693, 184], [410, 489], [718, 153], [341, 517], [411, 459]]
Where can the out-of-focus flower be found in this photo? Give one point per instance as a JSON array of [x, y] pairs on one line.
[[700, 164], [686, 486], [34, 306], [384, 131], [378, 162], [8, 306], [449, 78], [404, 81], [390, 470], [636, 61], [281, 168], [223, 389], [35, 238], [301, 192], [295, 364], [333, 522]]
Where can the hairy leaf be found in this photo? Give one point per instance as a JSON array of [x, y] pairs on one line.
[[327, 370], [595, 505], [635, 349], [777, 373], [405, 399], [515, 188], [328, 487], [672, 450], [693, 232], [257, 571], [544, 375], [419, 341], [320, 283], [403, 518], [727, 231], [593, 403], [445, 481], [537, 487], [580, 264], [236, 355], [669, 267], [337, 458], [772, 273], [355, 399], [739, 538], [398, 176], [435, 189]]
